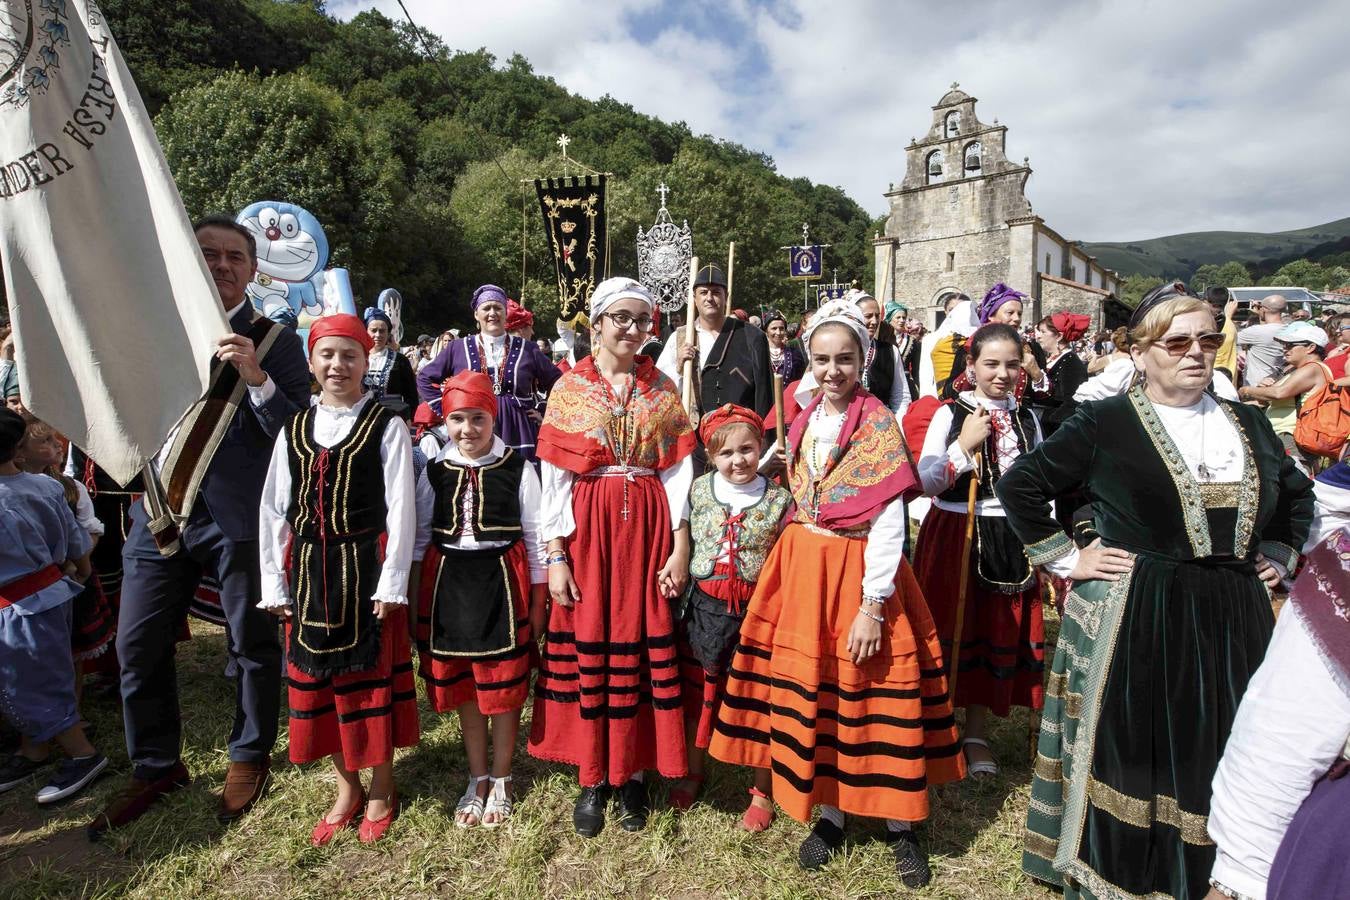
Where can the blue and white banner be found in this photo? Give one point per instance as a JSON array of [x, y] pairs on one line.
[[806, 262], [828, 292]]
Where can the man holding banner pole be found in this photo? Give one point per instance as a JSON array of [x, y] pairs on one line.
[[212, 530]]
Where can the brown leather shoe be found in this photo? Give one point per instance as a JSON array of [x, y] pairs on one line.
[[134, 800], [245, 783]]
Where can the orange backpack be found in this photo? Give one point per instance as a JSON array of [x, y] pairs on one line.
[[1324, 419]]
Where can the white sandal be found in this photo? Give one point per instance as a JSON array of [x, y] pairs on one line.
[[499, 802], [471, 803], [983, 767]]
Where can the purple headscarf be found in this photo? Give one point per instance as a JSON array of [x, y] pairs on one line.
[[488, 293], [998, 295]]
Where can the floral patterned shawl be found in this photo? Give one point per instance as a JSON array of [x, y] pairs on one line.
[[869, 466], [574, 437]]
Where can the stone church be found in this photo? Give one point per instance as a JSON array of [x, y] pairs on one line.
[[960, 222]]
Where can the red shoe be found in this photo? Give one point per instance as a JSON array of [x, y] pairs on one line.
[[683, 798], [373, 829], [757, 819], [325, 831]]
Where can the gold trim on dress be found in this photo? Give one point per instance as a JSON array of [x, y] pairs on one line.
[[1144, 813], [1048, 549]]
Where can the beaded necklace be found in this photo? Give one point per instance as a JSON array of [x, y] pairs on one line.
[[621, 430], [816, 462], [495, 368]]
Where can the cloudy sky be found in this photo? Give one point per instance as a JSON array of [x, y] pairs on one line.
[[1141, 118]]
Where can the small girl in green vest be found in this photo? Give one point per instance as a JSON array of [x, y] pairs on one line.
[[735, 516]]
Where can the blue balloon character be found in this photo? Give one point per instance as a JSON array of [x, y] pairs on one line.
[[292, 253]]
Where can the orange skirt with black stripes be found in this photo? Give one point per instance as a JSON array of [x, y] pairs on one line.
[[608, 697], [361, 715], [497, 684], [868, 739]]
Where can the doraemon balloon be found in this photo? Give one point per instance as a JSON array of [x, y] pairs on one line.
[[292, 253]]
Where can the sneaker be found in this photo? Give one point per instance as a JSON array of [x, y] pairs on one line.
[[911, 863], [18, 769], [820, 846], [72, 776]]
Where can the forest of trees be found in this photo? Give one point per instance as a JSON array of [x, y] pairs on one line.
[[414, 167]]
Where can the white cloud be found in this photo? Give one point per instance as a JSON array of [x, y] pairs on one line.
[[1140, 118]]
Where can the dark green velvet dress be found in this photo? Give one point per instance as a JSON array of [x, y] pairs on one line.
[[1148, 670]]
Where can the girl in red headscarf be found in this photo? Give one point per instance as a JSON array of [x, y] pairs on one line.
[[482, 591], [337, 541], [735, 516], [1052, 387]]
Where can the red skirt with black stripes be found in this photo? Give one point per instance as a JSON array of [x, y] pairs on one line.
[[866, 738], [608, 697], [361, 715], [498, 683]]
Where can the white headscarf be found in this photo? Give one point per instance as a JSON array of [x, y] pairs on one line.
[[612, 290], [838, 312], [961, 320]]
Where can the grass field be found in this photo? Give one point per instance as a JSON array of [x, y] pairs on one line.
[[178, 850]]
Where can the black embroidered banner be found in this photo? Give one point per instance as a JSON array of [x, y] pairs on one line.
[[574, 219]]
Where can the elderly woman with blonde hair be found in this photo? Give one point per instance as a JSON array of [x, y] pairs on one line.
[[1198, 511]]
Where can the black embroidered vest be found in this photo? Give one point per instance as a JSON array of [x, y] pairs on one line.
[[1024, 426], [496, 499], [333, 493]]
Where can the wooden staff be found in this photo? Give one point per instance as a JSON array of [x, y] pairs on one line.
[[690, 338], [731, 272], [778, 412], [954, 664]]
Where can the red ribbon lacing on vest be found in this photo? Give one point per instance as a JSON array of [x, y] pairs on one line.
[[89, 478], [321, 464], [727, 583]]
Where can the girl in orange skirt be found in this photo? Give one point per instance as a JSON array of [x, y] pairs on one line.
[[482, 591], [337, 537], [837, 684], [1002, 655]]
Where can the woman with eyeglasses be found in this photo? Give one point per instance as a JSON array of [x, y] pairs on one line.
[[1199, 513], [519, 370], [616, 451]]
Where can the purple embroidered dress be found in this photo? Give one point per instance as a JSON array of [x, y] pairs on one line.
[[525, 373]]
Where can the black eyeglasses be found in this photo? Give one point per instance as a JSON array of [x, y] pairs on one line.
[[1180, 344], [624, 321]]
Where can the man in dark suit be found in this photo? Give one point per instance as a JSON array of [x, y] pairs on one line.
[[215, 533], [731, 357]]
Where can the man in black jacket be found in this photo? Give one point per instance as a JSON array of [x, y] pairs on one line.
[[731, 357], [214, 479]]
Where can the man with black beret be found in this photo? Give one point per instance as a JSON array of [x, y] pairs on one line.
[[731, 357]]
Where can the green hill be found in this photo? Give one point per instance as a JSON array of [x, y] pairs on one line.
[[1179, 255]]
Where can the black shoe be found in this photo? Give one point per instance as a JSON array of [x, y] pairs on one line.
[[18, 769], [588, 816], [71, 777], [820, 846], [911, 863], [633, 806]]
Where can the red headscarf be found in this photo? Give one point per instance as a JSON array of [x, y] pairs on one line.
[[340, 325], [1071, 326], [468, 390], [729, 414], [517, 316]]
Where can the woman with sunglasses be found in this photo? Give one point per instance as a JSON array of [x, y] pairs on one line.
[[519, 370], [616, 451], [1198, 512]]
